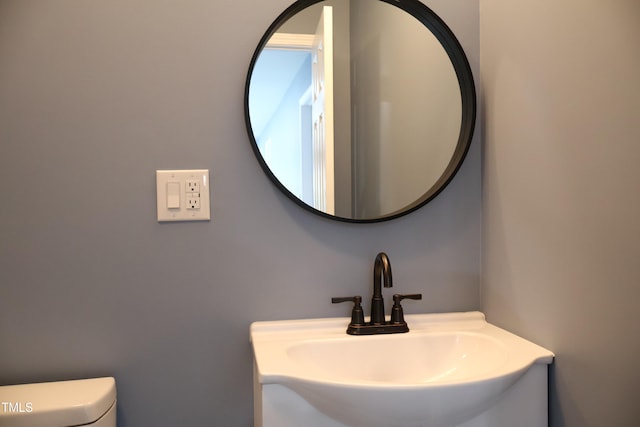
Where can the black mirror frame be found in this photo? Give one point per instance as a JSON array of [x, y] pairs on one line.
[[467, 90]]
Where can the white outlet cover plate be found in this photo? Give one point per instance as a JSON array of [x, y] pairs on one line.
[[184, 212]]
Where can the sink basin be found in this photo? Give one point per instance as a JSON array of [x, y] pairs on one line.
[[448, 369]]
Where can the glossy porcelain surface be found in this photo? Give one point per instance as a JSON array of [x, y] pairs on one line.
[[86, 402], [446, 370]]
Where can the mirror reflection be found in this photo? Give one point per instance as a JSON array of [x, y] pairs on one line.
[[355, 108]]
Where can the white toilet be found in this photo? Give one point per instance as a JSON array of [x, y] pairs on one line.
[[89, 402]]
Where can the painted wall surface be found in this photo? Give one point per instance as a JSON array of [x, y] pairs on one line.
[[94, 97], [561, 208]]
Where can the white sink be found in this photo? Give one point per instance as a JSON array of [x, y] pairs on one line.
[[448, 369]]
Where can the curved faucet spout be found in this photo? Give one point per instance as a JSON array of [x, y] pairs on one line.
[[381, 273]]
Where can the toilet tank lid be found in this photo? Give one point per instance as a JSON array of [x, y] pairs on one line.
[[56, 404]]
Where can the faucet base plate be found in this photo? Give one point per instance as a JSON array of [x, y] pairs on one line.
[[370, 329]]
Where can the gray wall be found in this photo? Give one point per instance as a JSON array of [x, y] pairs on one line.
[[561, 198], [94, 97]]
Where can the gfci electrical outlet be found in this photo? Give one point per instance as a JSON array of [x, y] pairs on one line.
[[183, 195]]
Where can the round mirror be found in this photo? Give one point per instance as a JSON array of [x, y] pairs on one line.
[[360, 110]]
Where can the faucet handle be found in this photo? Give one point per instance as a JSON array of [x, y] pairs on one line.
[[397, 314], [406, 296], [357, 314]]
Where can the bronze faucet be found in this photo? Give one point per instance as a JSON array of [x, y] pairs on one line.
[[378, 323]]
